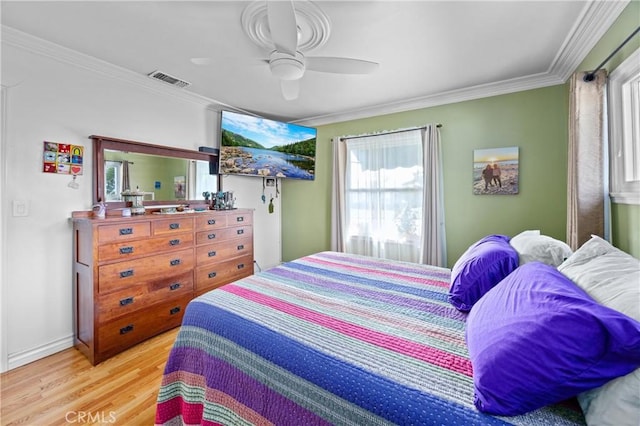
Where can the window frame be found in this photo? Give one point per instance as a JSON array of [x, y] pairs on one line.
[[624, 131]]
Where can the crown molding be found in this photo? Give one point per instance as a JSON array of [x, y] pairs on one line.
[[596, 19], [460, 95], [38, 46]]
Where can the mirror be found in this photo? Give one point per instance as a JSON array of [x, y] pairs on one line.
[[165, 175]]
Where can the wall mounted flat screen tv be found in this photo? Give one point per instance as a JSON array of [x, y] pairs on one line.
[[255, 146]]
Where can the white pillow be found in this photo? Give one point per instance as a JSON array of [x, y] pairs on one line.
[[607, 274], [616, 403], [531, 247], [611, 277]]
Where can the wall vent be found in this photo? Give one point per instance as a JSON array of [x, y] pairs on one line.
[[174, 81]]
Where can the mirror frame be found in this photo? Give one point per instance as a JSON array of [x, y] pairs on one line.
[[102, 143]]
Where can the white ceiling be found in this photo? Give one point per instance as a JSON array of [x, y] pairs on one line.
[[430, 52]]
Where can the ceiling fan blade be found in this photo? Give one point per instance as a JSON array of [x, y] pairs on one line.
[[290, 89], [283, 26], [340, 65]]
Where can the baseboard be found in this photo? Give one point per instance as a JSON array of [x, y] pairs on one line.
[[19, 359]]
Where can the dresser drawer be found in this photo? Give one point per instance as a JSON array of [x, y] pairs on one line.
[[122, 232], [134, 298], [138, 248], [172, 226], [124, 332], [239, 218], [132, 272], [216, 235], [219, 252], [212, 276], [208, 221]]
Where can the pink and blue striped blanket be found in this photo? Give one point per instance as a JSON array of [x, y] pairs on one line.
[[329, 338]]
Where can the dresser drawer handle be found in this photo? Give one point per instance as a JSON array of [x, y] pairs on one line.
[[212, 274], [240, 219], [240, 231], [211, 236], [174, 225], [127, 301], [127, 273], [174, 286], [126, 250], [175, 262], [174, 242], [174, 311], [241, 266], [125, 330], [126, 231], [211, 222], [241, 247], [212, 253]]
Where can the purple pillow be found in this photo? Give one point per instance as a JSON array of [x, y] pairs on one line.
[[537, 338], [481, 267]]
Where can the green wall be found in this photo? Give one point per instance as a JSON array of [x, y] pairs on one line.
[[534, 120]]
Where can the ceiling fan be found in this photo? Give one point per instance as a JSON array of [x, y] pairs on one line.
[[283, 34]]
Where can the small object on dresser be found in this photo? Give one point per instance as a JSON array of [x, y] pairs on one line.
[[133, 199], [100, 210]]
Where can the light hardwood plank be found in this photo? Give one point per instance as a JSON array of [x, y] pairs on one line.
[[65, 388]]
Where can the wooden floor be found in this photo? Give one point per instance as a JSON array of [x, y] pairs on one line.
[[65, 388]]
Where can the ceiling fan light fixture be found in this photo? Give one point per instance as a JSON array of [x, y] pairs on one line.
[[283, 26], [287, 67]]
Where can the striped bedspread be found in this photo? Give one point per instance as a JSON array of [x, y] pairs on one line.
[[326, 339]]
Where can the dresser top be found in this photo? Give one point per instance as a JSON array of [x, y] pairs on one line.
[[116, 215]]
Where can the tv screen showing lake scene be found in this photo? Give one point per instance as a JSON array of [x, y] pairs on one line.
[[255, 146]]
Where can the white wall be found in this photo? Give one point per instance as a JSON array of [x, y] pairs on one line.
[[267, 243], [57, 95], [3, 280]]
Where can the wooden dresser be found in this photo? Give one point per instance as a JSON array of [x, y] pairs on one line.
[[133, 277]]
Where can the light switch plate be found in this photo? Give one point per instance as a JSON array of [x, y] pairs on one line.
[[20, 208]]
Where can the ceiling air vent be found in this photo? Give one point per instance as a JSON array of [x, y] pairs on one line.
[[159, 75]]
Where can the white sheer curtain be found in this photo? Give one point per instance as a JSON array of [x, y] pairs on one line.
[[387, 196], [587, 172]]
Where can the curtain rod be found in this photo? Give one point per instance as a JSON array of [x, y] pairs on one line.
[[590, 76], [438, 125]]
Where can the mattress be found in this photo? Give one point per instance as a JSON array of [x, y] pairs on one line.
[[329, 338]]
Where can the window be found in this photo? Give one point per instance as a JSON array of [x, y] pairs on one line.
[[624, 120], [113, 180], [383, 194]]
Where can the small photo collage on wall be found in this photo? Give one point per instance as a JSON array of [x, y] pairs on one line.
[[62, 158]]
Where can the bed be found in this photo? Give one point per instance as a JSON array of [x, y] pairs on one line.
[[331, 338]]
